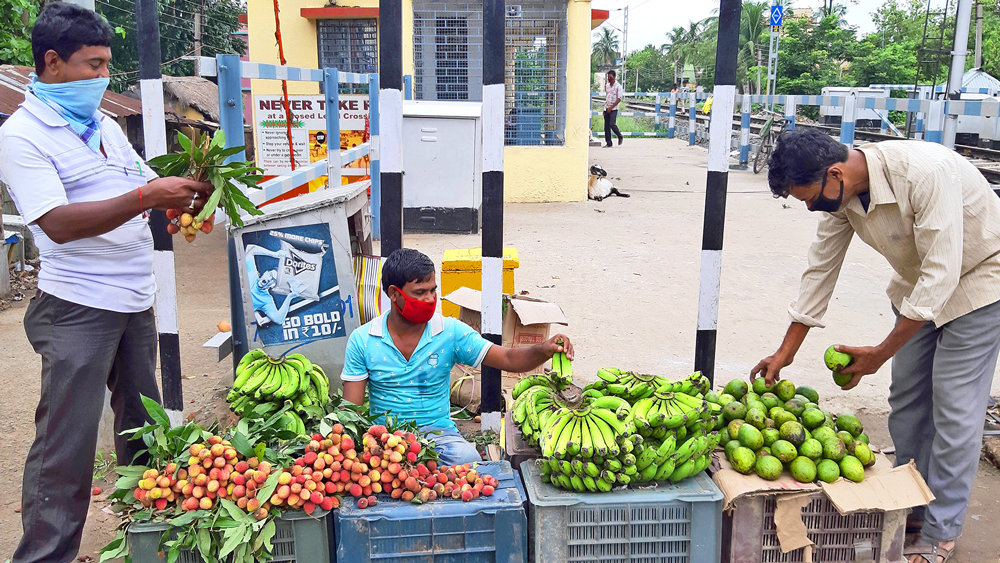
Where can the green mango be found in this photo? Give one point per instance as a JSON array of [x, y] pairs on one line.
[[803, 469], [769, 467], [736, 388], [828, 470]]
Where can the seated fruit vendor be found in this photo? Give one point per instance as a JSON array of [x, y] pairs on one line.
[[406, 355]]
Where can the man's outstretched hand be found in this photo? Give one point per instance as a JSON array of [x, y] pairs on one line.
[[867, 360], [770, 368], [553, 346]]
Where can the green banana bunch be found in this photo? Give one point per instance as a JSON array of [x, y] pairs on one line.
[[532, 380], [263, 380], [562, 369], [619, 406]]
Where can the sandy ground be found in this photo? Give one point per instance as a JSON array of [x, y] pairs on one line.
[[625, 271]]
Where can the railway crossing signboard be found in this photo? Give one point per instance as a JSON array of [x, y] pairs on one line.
[[775, 18]]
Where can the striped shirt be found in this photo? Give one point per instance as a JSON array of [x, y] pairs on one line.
[[934, 218], [615, 93], [45, 164]]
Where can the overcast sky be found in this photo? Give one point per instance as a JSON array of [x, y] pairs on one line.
[[650, 20]]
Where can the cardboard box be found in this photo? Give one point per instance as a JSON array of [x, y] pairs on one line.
[[885, 489], [526, 321]]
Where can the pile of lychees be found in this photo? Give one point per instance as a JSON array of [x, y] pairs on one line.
[[330, 466], [214, 471]]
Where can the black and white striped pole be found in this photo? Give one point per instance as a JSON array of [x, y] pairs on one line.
[[155, 138], [494, 57], [390, 142], [720, 135]]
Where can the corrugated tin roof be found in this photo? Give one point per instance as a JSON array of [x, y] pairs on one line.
[[14, 79], [975, 78]]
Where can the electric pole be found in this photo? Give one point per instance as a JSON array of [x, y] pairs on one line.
[[720, 132], [625, 48], [959, 50], [979, 34], [197, 40], [155, 136]]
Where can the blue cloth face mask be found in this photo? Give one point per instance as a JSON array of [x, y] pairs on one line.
[[76, 102]]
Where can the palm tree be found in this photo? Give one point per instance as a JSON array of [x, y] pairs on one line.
[[674, 48], [605, 49], [753, 22]]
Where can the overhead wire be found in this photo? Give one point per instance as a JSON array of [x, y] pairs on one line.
[[161, 64], [168, 24]]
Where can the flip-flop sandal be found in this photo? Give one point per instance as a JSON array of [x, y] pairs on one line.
[[929, 553]]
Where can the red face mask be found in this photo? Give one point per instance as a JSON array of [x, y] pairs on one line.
[[415, 310]]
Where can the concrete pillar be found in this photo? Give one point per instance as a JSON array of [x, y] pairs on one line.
[[672, 120], [935, 122], [657, 112], [849, 117], [745, 130], [692, 118], [790, 112]]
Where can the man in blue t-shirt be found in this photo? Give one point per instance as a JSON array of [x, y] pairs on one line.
[[406, 355]]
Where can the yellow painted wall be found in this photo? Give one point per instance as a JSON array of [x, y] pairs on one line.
[[299, 39], [559, 173], [531, 174]]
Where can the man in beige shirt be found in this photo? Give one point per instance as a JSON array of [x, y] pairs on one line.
[[936, 220]]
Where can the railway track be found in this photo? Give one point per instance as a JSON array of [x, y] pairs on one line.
[[986, 160]]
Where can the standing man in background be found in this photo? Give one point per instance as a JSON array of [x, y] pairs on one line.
[[84, 193], [615, 93]]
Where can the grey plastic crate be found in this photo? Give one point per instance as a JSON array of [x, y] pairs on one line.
[[750, 535], [298, 538], [679, 523], [516, 450]]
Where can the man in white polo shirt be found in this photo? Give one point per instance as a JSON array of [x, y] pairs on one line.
[[85, 193]]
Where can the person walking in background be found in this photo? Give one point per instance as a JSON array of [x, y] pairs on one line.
[[615, 93]]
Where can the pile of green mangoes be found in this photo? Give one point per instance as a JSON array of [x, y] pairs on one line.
[[782, 427]]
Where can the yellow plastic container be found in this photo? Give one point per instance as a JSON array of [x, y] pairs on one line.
[[464, 268]]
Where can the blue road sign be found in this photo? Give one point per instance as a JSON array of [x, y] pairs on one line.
[[777, 13]]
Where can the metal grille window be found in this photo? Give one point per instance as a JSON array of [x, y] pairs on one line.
[[448, 61], [535, 110], [447, 50], [349, 45], [451, 41]]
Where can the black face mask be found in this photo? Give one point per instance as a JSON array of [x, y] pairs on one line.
[[824, 203]]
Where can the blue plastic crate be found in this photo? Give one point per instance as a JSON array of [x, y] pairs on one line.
[[486, 530], [668, 523]]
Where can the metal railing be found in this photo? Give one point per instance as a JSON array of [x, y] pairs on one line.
[[230, 70], [929, 113]]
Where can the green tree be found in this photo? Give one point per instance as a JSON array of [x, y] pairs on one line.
[[753, 23], [16, 20], [220, 19], [814, 55], [650, 70], [605, 49], [674, 50], [991, 37]]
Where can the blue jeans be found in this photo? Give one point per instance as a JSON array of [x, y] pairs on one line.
[[451, 447]]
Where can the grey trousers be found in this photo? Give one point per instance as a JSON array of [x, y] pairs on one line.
[[84, 351], [941, 382]]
